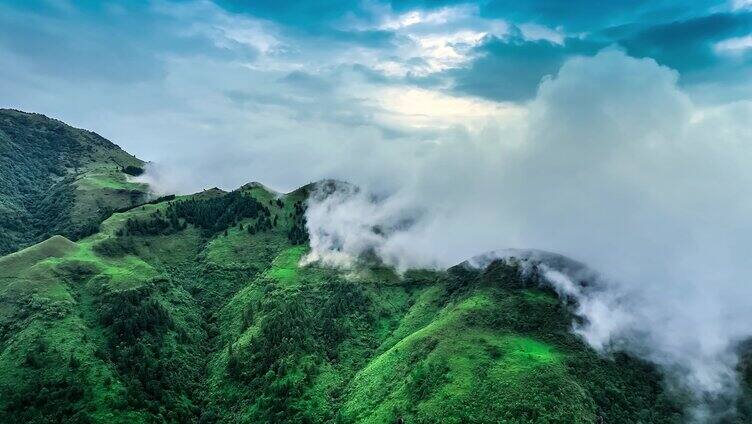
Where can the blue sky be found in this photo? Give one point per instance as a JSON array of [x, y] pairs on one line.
[[235, 75]]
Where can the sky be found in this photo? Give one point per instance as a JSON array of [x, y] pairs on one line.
[[618, 133], [218, 93]]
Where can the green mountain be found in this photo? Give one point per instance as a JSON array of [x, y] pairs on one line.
[[196, 309], [56, 179]]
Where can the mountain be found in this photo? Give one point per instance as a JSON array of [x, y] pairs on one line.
[[196, 309], [56, 179]]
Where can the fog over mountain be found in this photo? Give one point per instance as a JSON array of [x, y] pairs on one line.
[[636, 181]]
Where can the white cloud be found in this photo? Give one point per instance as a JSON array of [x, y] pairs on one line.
[[391, 21], [430, 109], [741, 4], [735, 45], [429, 41], [540, 32], [401, 21], [445, 51], [225, 29]]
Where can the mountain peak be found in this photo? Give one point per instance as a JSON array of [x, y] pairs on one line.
[[257, 185]]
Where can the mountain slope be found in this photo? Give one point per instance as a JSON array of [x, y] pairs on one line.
[[196, 310], [56, 179]]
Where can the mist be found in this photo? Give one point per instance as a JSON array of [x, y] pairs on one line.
[[611, 164]]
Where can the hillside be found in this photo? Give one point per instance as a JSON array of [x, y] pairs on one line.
[[195, 309], [56, 179]]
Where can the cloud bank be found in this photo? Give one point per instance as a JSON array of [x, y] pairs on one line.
[[611, 164]]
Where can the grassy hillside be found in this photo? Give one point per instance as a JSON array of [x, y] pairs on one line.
[[195, 309], [55, 179]]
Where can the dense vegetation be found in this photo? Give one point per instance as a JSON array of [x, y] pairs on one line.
[[219, 213], [175, 312], [55, 179], [195, 309], [298, 233]]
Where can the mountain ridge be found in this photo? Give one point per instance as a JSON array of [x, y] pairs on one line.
[[250, 287]]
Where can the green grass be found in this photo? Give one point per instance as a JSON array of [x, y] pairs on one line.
[[241, 250], [285, 266], [463, 373], [100, 189], [523, 353], [14, 264], [106, 181]]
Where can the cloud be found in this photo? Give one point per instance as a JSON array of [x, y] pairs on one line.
[[688, 46], [302, 13], [741, 4], [510, 68], [734, 45], [220, 116], [427, 41], [128, 44], [708, 51], [588, 15], [47, 46], [613, 165], [703, 46]]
